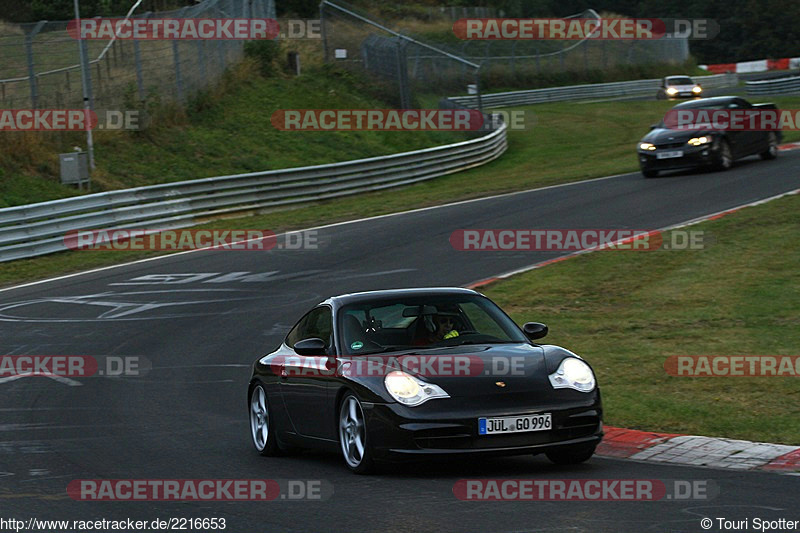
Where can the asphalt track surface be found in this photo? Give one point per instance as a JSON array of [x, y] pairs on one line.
[[202, 318]]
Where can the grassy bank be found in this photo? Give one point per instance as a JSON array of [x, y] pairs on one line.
[[627, 312], [224, 131]]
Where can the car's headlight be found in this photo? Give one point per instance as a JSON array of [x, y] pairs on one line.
[[410, 390], [647, 146], [697, 89], [573, 373], [672, 90], [697, 141]]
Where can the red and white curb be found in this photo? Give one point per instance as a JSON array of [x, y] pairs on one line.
[[789, 146], [759, 65], [698, 451]]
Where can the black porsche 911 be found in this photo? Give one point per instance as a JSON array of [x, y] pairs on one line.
[[668, 148], [386, 375]]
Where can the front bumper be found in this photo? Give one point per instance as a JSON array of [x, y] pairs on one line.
[[396, 433], [693, 157]]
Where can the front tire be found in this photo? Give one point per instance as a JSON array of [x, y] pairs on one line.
[[724, 159], [571, 455], [262, 426], [772, 149], [353, 436]]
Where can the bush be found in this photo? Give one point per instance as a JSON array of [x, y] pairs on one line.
[[266, 53]]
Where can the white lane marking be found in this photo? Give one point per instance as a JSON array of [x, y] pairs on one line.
[[60, 379], [118, 308], [334, 224]]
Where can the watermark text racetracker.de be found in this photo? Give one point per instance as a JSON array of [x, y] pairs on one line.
[[446, 365], [148, 490], [189, 239], [585, 489], [377, 119], [72, 366], [733, 365], [194, 29], [174, 28], [584, 28], [577, 239], [399, 119], [68, 120], [752, 119]]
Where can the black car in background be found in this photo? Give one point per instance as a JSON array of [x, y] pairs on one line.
[[374, 376], [664, 148]]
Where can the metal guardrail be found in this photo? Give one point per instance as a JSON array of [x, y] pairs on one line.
[[583, 92], [777, 86], [39, 229]]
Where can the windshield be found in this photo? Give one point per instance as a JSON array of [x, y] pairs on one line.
[[680, 81], [423, 322]]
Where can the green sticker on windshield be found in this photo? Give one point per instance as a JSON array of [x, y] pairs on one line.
[[357, 345]]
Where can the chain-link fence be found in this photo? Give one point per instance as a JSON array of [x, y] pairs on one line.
[[417, 70], [40, 63], [414, 73]]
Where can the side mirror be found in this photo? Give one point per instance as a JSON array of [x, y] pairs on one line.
[[311, 346], [534, 330], [653, 126]]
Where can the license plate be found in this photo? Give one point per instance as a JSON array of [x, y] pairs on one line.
[[514, 424], [669, 155]]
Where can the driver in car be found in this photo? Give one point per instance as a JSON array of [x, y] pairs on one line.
[[438, 327]]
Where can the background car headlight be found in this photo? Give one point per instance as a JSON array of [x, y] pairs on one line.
[[697, 90], [410, 390], [672, 90], [573, 373], [697, 141], [647, 146]]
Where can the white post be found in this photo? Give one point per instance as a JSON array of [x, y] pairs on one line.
[[84, 82]]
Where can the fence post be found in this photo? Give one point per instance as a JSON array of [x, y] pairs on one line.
[[478, 89], [324, 32], [137, 61], [586, 56], [201, 60], [177, 63], [513, 58], [402, 75], [221, 53], [177, 57], [87, 68], [31, 69]]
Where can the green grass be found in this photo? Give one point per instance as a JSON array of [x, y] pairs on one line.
[[227, 131], [626, 312], [568, 142]]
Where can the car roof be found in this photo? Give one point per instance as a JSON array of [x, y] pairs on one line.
[[344, 299], [677, 76], [711, 101]]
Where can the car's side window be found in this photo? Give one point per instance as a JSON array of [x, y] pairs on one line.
[[317, 323]]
